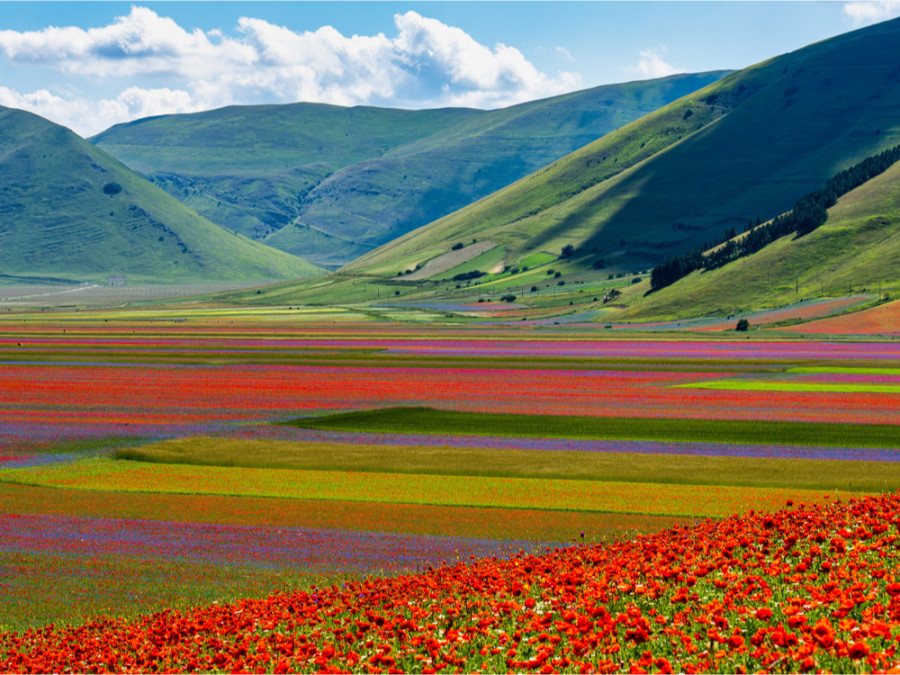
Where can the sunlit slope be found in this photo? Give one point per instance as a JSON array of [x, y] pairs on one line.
[[69, 210], [332, 183], [857, 249], [748, 145]]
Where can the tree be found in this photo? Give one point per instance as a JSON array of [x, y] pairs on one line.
[[742, 325], [567, 251]]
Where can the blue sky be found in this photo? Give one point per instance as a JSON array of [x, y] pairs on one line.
[[89, 65]]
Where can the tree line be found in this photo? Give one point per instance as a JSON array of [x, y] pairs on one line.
[[808, 213]]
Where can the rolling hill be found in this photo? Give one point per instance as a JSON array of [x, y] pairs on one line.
[[331, 183], [746, 146], [71, 211], [857, 250]]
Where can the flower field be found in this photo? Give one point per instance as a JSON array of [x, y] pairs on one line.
[[496, 492], [880, 320], [416, 498], [811, 309], [799, 590]]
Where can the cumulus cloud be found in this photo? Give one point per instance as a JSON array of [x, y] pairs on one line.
[[864, 12], [426, 64], [88, 117], [652, 64]]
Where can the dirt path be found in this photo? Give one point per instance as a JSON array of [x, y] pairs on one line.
[[451, 259]]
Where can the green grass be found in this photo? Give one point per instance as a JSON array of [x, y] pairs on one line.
[[485, 262], [781, 385], [843, 370], [854, 251], [537, 259], [748, 145], [433, 421], [519, 463], [354, 178], [59, 222]]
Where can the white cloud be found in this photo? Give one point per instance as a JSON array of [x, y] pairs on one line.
[[565, 53], [427, 64], [652, 64], [864, 12], [88, 117]]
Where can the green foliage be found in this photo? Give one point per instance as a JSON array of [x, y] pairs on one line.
[[808, 213], [853, 252], [468, 276], [742, 325]]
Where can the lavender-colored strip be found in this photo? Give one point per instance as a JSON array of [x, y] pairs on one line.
[[580, 445], [331, 549]]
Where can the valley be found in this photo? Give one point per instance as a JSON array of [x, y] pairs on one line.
[[310, 387]]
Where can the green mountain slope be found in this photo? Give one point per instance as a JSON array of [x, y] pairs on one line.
[[70, 210], [332, 183], [748, 145], [856, 250]]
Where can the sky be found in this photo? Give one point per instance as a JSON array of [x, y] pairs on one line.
[[90, 65]]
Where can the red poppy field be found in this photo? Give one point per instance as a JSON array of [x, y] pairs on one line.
[[802, 589], [169, 499]]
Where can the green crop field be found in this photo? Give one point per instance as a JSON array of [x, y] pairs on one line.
[[419, 420]]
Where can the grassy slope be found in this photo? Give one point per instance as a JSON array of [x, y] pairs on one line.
[[857, 248], [332, 183], [753, 143], [55, 219]]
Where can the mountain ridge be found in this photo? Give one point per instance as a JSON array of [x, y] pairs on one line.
[[71, 210], [417, 169], [761, 141]]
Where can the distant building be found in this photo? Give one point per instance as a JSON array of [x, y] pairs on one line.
[[117, 280]]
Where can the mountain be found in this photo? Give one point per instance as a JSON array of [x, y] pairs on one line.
[[857, 250], [746, 146], [332, 183], [70, 210]]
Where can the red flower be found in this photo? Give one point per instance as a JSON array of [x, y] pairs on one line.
[[823, 633], [859, 650], [763, 614]]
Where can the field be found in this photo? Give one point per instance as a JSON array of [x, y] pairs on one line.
[[446, 498], [881, 320]]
